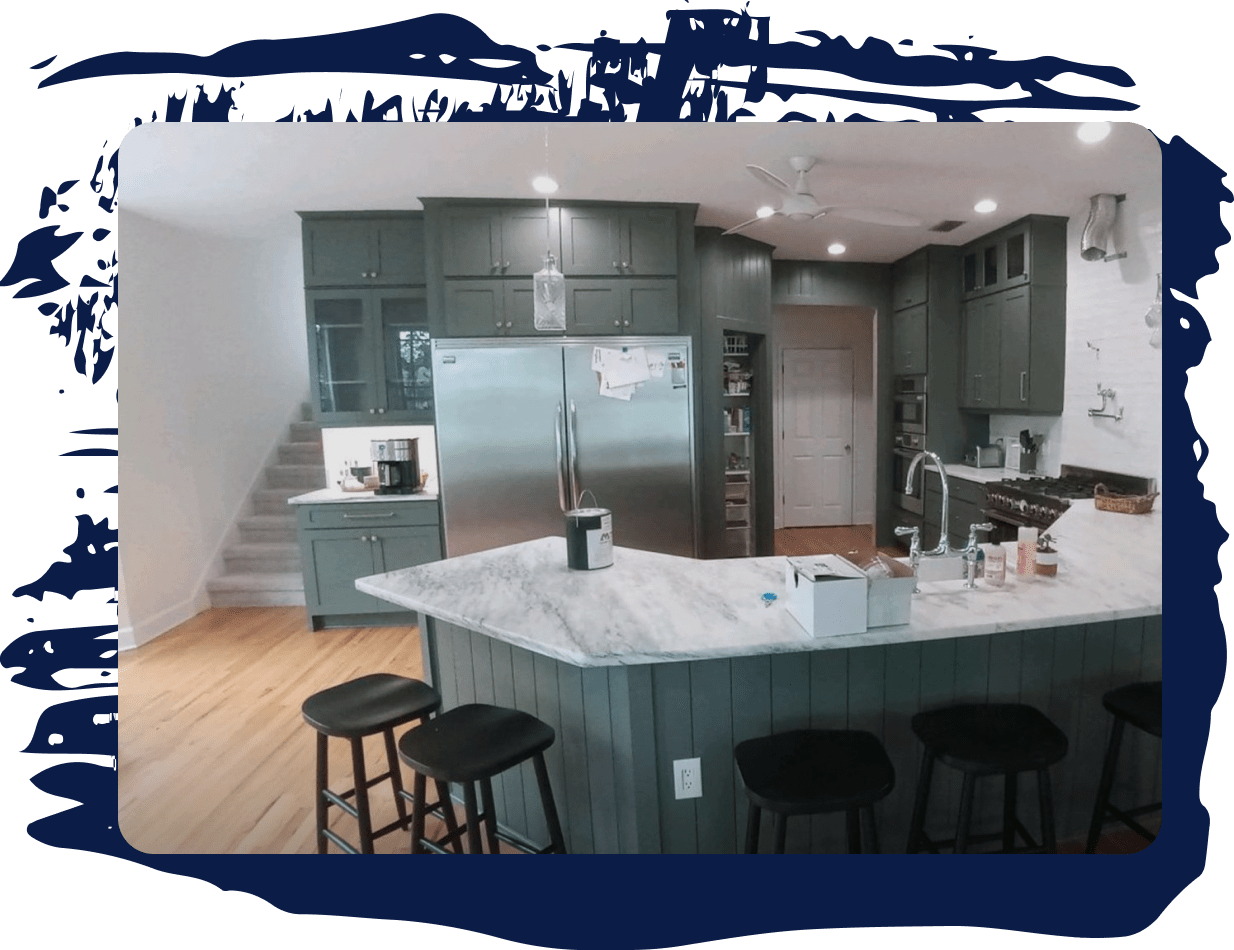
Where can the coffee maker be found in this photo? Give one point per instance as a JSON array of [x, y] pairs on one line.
[[397, 462]]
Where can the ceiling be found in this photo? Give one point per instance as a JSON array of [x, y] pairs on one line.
[[248, 179]]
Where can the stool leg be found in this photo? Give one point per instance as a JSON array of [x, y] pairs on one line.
[[447, 813], [919, 802], [396, 778], [753, 816], [1010, 781], [1047, 811], [852, 824], [781, 825], [1103, 789], [418, 805], [549, 805], [361, 777], [323, 807], [871, 831], [490, 814], [966, 813], [473, 818]]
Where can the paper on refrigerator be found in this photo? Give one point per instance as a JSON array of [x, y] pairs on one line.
[[620, 372]]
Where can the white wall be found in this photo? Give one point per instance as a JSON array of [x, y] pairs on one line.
[[1107, 343], [212, 368], [833, 328], [340, 445]]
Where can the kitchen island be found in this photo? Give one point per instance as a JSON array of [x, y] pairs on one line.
[[661, 658]]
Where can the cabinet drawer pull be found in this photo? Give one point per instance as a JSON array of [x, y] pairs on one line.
[[385, 514], [1022, 376]]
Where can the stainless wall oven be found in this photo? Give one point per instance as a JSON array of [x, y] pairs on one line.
[[909, 400], [907, 445]]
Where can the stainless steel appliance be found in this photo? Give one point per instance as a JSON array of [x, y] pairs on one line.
[[398, 466], [909, 401], [1037, 503], [907, 446], [522, 431]]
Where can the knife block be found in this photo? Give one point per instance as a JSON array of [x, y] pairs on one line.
[[1028, 462]]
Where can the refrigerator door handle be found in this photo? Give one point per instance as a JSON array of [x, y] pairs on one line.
[[558, 424], [576, 489]]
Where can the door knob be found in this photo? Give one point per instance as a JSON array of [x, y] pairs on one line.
[[848, 448]]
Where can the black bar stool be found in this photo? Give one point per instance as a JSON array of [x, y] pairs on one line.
[[987, 739], [1140, 705], [371, 704], [814, 772], [472, 744]]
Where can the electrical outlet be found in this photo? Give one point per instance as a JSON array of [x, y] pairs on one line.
[[687, 778]]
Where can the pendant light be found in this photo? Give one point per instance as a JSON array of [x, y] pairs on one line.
[[548, 284]]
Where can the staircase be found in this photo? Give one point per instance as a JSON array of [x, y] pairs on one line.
[[263, 569]]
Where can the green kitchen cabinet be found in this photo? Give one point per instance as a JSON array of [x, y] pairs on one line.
[[1014, 350], [344, 541], [1030, 250], [369, 356], [909, 338], [497, 240], [355, 249], [910, 280], [617, 307], [606, 240], [489, 308]]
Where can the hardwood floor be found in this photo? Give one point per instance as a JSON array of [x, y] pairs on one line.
[[855, 542], [214, 757]]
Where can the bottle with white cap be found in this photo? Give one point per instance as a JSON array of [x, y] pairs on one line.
[[1026, 554]]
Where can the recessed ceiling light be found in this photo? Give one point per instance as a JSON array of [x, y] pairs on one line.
[[985, 206], [836, 248], [544, 184], [1090, 132], [766, 211]]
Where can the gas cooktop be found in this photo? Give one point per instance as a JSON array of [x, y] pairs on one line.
[[1039, 501]]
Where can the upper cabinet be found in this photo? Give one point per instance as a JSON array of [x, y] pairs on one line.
[[910, 280], [1032, 249], [367, 317], [620, 262], [1014, 284], [345, 249], [497, 241], [630, 242]]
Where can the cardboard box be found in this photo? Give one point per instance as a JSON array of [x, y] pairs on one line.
[[827, 595], [890, 599]]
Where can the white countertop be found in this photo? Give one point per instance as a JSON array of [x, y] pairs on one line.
[[982, 475], [336, 496], [650, 608]]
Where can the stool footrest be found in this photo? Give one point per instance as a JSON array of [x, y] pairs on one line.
[[342, 843], [1032, 845], [1128, 819], [340, 800]]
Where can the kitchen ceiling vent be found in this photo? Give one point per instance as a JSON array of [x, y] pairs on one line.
[[944, 226]]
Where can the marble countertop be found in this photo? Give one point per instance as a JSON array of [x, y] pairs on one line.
[[336, 496], [651, 608]]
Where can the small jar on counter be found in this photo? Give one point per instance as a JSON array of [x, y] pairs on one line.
[[1026, 554], [995, 564]]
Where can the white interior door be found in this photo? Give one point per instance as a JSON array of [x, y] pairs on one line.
[[817, 416]]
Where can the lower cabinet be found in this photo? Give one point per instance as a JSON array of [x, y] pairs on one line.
[[965, 508], [341, 542]]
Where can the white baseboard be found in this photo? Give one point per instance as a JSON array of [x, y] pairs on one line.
[[137, 633]]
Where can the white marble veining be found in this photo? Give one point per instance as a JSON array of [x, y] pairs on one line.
[[650, 608], [336, 496]]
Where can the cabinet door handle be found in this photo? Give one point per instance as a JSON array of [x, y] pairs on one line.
[[372, 412], [1022, 378], [363, 537], [509, 323], [616, 266], [498, 324], [381, 411], [626, 323], [977, 377], [616, 323], [505, 264]]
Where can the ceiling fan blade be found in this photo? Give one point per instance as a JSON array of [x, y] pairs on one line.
[[767, 178], [883, 216], [744, 224]]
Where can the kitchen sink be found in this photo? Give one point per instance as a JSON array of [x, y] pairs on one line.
[[948, 568]]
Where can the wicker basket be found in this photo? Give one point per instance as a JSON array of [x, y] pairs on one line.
[[1106, 500]]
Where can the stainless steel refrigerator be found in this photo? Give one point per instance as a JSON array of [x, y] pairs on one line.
[[522, 431]]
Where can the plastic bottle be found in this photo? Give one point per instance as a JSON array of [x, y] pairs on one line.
[[1026, 554], [995, 564]]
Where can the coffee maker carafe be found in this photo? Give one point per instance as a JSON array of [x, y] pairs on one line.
[[397, 462]]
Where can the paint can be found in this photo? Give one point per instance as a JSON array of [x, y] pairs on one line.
[[589, 538]]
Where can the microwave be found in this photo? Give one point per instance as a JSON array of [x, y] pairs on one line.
[[909, 402]]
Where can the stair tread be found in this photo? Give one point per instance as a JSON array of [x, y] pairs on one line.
[[258, 548], [269, 521], [272, 580]]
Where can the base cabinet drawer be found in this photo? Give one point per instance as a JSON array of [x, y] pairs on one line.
[[369, 514], [332, 558]]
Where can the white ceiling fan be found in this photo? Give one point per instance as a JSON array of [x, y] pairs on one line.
[[799, 204]]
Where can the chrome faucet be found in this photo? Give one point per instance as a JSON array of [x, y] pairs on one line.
[[970, 553], [943, 549], [914, 550]]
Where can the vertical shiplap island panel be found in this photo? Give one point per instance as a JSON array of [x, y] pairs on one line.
[[620, 728]]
